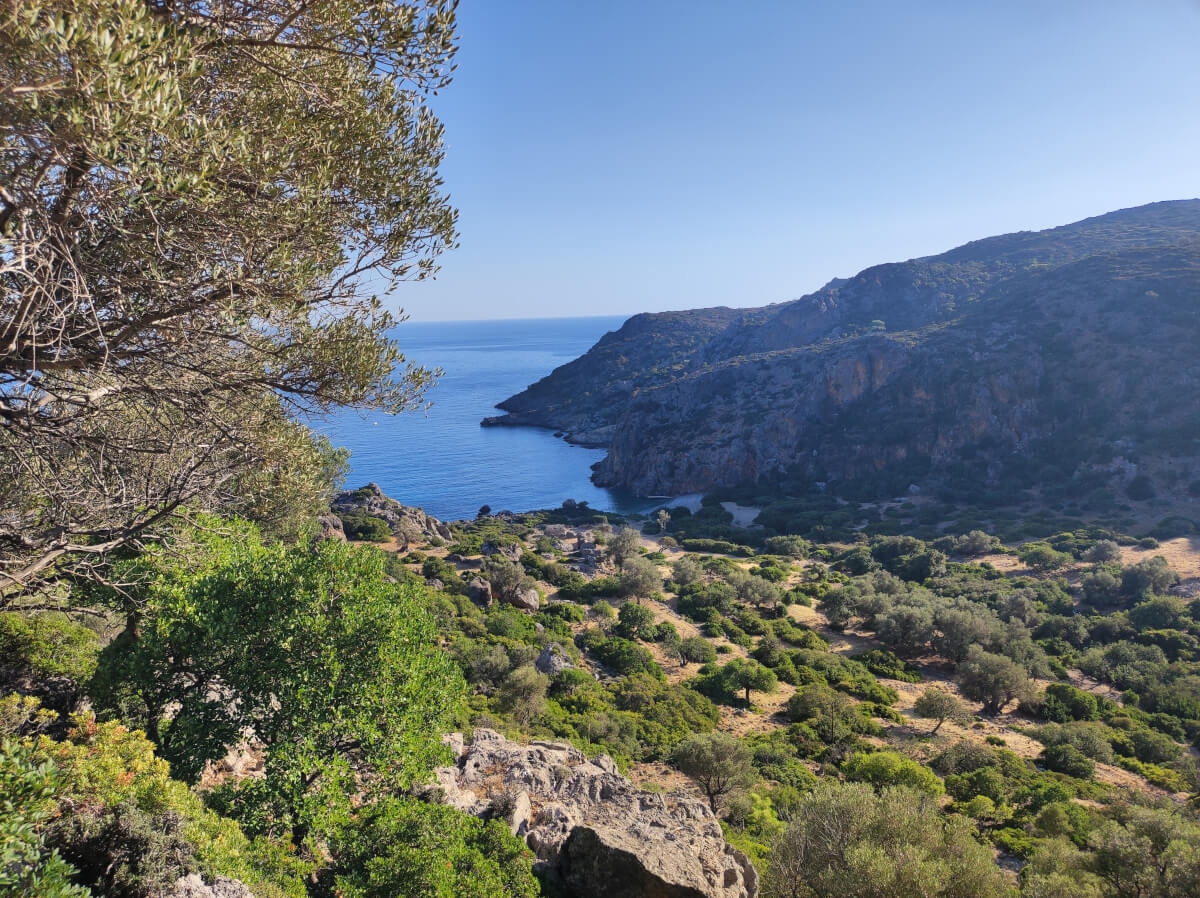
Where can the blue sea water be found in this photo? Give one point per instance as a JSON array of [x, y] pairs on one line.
[[443, 461]]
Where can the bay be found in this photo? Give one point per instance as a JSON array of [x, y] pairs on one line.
[[442, 460]]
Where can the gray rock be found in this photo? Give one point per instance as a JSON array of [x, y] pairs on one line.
[[519, 814], [331, 527], [408, 525], [594, 833], [479, 591], [512, 551], [553, 660], [194, 886], [525, 599]]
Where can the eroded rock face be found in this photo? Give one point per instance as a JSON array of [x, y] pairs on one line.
[[479, 591], [407, 524], [595, 834], [331, 527]]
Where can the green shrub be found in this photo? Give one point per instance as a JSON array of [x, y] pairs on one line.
[[887, 768], [366, 527], [1068, 759], [883, 663], [1063, 703], [131, 829], [49, 645], [404, 848], [29, 865]]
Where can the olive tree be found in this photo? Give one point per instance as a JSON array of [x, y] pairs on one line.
[[939, 705], [745, 674], [720, 763], [844, 841], [639, 577], [992, 679], [194, 197], [623, 545]]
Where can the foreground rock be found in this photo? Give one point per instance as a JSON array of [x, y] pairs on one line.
[[595, 834], [408, 525]]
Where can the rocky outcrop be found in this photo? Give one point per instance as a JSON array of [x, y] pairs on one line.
[[594, 833], [507, 551], [1011, 362], [331, 527], [408, 525], [193, 886], [553, 659]]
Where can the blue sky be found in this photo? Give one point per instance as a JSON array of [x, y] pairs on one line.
[[615, 157]]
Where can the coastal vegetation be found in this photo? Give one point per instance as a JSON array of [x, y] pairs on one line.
[[218, 668]]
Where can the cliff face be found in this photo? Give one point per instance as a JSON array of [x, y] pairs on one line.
[[1078, 342]]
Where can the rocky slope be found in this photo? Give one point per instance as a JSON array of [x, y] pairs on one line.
[[406, 523], [594, 833], [1005, 363]]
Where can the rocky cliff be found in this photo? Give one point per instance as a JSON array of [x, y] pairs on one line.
[[1006, 361], [594, 833]]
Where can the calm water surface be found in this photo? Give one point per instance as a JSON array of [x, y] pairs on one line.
[[444, 461]]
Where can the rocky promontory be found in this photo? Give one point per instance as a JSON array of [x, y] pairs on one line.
[[1009, 362], [594, 833]]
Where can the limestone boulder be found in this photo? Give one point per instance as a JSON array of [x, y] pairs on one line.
[[193, 886], [479, 591], [594, 833], [331, 527]]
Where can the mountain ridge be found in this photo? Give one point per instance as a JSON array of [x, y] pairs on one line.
[[971, 364]]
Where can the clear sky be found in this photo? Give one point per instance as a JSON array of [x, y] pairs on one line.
[[615, 157]]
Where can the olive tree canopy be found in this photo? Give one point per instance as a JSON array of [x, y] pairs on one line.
[[196, 197]]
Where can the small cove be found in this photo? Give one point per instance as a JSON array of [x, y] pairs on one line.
[[442, 460]]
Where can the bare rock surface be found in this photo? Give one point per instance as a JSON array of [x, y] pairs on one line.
[[479, 591], [408, 525], [594, 833], [553, 660], [331, 527]]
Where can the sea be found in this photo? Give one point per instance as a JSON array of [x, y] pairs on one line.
[[441, 460]]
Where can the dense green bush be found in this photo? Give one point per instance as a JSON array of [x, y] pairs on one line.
[[887, 768], [48, 645], [366, 527], [619, 655], [883, 663], [1068, 759], [131, 830], [218, 604], [404, 848]]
